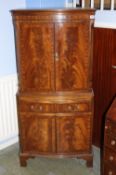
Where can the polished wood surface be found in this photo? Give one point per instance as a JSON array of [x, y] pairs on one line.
[[72, 64], [55, 97], [112, 112], [104, 77], [37, 133], [71, 116], [73, 134], [37, 66], [67, 46], [109, 151], [113, 70]]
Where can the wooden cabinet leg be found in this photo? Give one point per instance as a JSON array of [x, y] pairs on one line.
[[89, 160], [23, 160]]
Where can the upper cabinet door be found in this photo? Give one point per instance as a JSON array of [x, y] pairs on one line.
[[72, 55], [35, 52]]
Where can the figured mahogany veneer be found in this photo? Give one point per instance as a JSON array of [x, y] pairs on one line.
[[55, 97], [109, 156]]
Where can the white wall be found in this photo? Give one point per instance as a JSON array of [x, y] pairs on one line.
[[105, 19], [45, 3], [7, 49]]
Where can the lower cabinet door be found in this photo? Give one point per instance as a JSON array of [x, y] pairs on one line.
[[37, 134], [74, 134]]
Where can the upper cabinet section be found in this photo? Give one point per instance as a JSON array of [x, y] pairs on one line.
[[53, 49]]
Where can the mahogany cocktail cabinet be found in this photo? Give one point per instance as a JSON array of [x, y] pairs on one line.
[[55, 97]]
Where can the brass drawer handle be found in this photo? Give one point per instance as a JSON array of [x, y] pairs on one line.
[[110, 173], [70, 108], [32, 107], [77, 108], [113, 142], [106, 127], [40, 108], [111, 158], [114, 66]]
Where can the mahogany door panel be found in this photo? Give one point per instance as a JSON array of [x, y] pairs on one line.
[[36, 58], [73, 134], [72, 55], [37, 133]]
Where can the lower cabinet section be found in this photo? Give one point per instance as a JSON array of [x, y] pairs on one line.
[[55, 134], [54, 126]]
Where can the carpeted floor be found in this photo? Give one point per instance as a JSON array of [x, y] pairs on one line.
[[9, 165]]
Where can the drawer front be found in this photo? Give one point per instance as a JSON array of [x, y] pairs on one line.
[[110, 156], [74, 107], [110, 127], [35, 107], [109, 170], [110, 142]]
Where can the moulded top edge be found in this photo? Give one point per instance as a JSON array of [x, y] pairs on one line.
[[59, 10]]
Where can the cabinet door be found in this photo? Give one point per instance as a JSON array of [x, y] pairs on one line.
[[35, 53], [72, 53], [73, 134], [37, 134]]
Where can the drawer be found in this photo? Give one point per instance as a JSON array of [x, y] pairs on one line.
[[35, 107], [110, 127], [110, 156], [110, 142], [74, 107], [109, 169]]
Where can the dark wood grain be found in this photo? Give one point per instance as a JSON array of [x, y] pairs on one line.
[[73, 134], [73, 50], [113, 71], [104, 79], [36, 61], [37, 133]]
